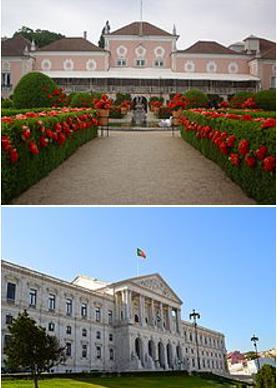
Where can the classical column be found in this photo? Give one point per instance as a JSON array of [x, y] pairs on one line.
[[169, 317], [178, 320], [129, 305], [142, 309], [161, 315], [152, 312]]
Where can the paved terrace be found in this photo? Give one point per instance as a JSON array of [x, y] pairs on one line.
[[136, 168]]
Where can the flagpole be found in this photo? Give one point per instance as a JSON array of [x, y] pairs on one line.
[[137, 266]]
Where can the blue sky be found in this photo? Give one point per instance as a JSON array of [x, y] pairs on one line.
[[226, 21], [220, 261]]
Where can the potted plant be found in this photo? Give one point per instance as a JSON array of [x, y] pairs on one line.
[[103, 109], [177, 104]]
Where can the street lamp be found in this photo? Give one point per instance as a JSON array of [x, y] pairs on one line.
[[255, 339], [194, 315]]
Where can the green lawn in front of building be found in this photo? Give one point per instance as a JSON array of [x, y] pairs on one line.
[[121, 382]]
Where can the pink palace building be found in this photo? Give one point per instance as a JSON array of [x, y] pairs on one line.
[[142, 59]]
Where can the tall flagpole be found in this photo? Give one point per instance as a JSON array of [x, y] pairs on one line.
[[140, 32], [137, 266]]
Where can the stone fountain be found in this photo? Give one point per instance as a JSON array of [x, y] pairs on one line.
[[139, 113]]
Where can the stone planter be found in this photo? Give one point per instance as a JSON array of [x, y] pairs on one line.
[[103, 116]]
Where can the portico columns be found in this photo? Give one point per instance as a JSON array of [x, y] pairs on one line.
[[152, 312], [169, 317], [178, 320], [129, 305], [142, 309], [162, 316]]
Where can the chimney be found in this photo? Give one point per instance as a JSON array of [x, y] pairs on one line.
[[85, 34]]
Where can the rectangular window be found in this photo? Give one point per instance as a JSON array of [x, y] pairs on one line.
[[110, 315], [98, 314], [193, 362], [111, 354], [6, 79], [98, 352], [68, 349], [52, 302], [84, 351], [9, 319], [11, 287], [68, 306], [84, 310], [84, 332], [98, 335], [51, 326], [140, 62], [159, 63], [121, 62], [110, 337], [32, 297], [68, 329]]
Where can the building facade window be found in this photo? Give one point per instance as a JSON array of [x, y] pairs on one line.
[[110, 317], [84, 351], [233, 68], [11, 288], [68, 329], [110, 337], [68, 349], [32, 297], [111, 354], [140, 62], [84, 310], [121, 62], [51, 326], [98, 352], [159, 63], [193, 362], [6, 79], [84, 332], [98, 335], [211, 67], [273, 83], [9, 319], [91, 65], [189, 66], [52, 302], [46, 64], [68, 306], [98, 314]]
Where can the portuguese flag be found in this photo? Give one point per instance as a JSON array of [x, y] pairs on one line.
[[140, 253]]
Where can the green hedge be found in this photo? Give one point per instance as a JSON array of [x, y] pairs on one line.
[[13, 111], [266, 99], [30, 168], [256, 183], [33, 91], [265, 114]]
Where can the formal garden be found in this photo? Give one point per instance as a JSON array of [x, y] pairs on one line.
[[42, 126]]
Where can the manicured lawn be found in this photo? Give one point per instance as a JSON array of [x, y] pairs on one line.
[[120, 382]]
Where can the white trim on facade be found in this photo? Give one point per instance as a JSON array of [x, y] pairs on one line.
[[46, 64], [210, 56], [70, 53], [121, 51]]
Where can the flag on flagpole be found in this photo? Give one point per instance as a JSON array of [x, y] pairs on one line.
[[140, 253]]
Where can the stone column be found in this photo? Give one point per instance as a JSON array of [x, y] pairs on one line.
[[162, 316], [142, 310], [129, 305], [169, 317], [152, 312], [117, 307], [178, 320]]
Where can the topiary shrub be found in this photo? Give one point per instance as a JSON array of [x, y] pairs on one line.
[[197, 99], [33, 91], [266, 99], [239, 98], [266, 377]]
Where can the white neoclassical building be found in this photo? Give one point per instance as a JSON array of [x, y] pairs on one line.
[[133, 324]]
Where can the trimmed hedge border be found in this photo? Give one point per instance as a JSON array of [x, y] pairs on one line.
[[14, 111], [252, 113], [30, 167], [255, 182]]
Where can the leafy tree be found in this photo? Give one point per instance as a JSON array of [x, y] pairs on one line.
[[196, 98], [266, 377], [30, 348], [41, 37], [251, 355]]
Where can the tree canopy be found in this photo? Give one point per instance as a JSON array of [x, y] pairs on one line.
[[30, 348], [266, 377], [41, 37]]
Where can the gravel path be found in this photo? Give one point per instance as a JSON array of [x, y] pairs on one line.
[[147, 168]]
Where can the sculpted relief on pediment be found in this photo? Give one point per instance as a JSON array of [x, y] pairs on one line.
[[158, 286]]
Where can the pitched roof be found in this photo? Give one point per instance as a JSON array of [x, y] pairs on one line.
[[71, 44], [267, 49], [207, 47], [15, 46], [147, 29]]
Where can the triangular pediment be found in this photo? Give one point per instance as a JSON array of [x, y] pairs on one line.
[[156, 284]]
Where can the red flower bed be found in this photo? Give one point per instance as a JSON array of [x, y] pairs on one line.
[[245, 149], [35, 144]]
